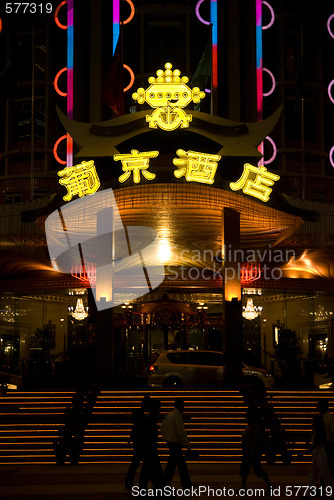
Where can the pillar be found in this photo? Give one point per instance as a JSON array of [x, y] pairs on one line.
[[232, 305], [104, 350], [105, 256]]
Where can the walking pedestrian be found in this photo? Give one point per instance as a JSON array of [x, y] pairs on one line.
[[137, 440], [328, 420], [173, 432], [151, 468], [320, 466], [253, 445]]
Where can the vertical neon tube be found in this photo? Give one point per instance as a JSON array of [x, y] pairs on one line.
[[214, 42], [259, 80], [116, 24], [70, 42], [214, 39]]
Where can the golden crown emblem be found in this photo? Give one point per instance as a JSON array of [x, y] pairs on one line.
[[168, 93]]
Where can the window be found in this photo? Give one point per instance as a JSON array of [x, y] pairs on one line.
[[13, 197], [40, 193], [206, 358], [319, 196], [23, 120], [293, 127], [179, 358]]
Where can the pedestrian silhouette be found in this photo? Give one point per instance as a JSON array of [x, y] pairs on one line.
[[253, 445], [173, 432], [328, 420], [320, 465], [151, 468], [137, 440], [71, 434]]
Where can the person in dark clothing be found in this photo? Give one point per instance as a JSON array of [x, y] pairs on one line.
[[137, 440], [328, 420], [71, 434], [253, 442], [320, 467], [173, 432], [151, 468]]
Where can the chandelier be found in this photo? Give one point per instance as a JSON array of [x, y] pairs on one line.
[[250, 311], [80, 312]]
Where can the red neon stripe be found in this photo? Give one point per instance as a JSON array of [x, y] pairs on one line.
[[55, 83], [132, 77], [214, 66], [69, 153], [55, 147], [132, 13], [58, 23]]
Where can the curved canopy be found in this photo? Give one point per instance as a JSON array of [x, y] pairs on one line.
[[235, 138], [186, 217]]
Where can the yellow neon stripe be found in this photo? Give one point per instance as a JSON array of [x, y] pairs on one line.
[[159, 391], [34, 425], [128, 461]]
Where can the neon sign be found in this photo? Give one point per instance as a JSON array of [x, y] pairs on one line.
[[199, 17], [132, 13], [58, 23], [55, 83], [260, 69], [79, 180], [273, 82], [168, 94], [273, 156], [331, 156], [55, 150], [329, 25], [272, 16], [255, 181], [214, 39], [69, 69], [249, 272], [132, 77], [197, 167], [330, 86], [136, 162]]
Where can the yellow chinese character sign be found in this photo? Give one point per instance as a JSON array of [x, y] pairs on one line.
[[135, 163], [79, 180], [255, 181], [168, 94], [197, 167]]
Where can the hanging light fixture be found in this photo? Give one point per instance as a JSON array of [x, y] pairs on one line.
[[80, 312], [250, 311]]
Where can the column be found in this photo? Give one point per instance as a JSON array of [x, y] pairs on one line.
[[105, 254], [232, 305]]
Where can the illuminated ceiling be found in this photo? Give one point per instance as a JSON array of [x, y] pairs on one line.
[[185, 216], [191, 215]]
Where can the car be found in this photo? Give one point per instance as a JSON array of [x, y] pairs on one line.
[[200, 368], [323, 381]]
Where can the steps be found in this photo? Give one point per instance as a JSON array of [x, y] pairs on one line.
[[215, 420]]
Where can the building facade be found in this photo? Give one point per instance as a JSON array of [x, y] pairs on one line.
[[261, 56]]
